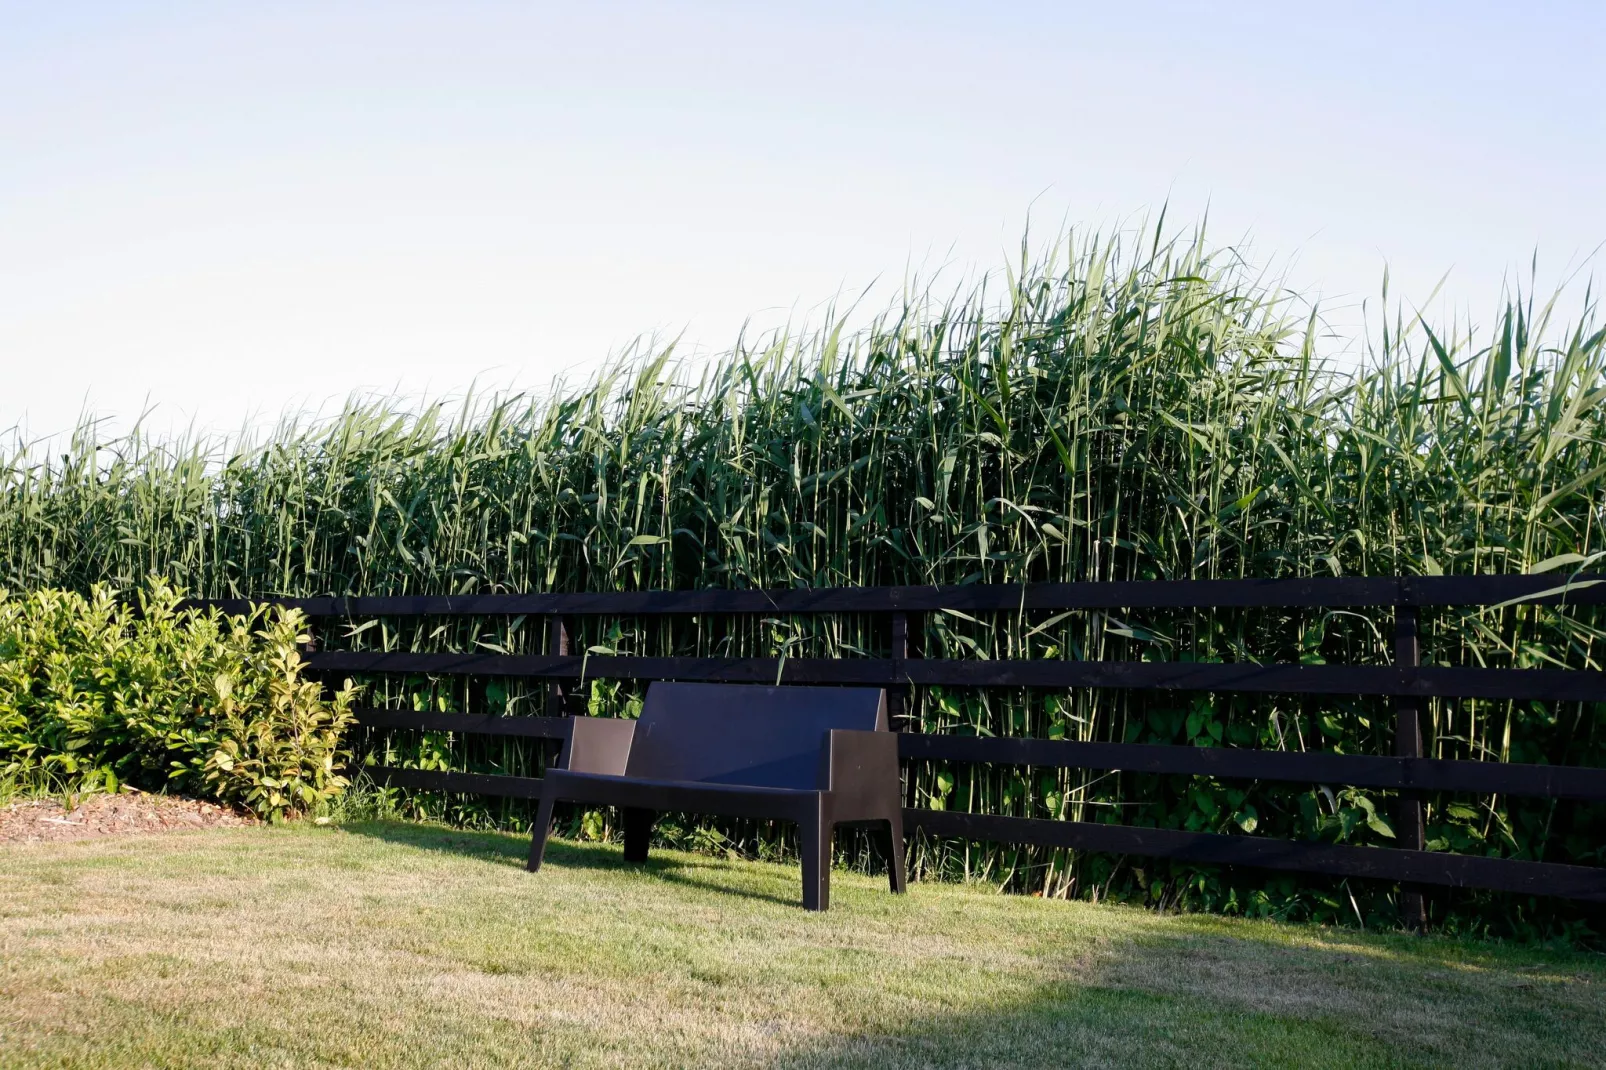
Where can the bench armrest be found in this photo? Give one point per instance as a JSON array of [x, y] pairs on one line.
[[597, 745], [861, 770]]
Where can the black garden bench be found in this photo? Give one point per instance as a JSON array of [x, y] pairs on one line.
[[819, 756]]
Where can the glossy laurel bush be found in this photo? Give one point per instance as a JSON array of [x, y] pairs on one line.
[[97, 690]]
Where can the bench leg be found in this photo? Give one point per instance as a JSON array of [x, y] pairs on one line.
[[814, 844], [892, 846], [638, 832], [538, 834]]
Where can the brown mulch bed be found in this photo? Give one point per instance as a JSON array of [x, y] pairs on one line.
[[126, 812]]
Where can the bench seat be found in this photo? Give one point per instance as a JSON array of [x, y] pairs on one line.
[[817, 756]]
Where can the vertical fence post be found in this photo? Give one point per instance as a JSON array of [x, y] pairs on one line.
[[897, 705], [557, 646], [307, 650], [1409, 830], [901, 698]]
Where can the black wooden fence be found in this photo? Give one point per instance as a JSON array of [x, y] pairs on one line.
[[1406, 681]]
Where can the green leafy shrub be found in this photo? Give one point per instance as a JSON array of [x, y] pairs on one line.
[[96, 690], [278, 742]]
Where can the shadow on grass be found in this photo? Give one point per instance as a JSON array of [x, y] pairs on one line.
[[501, 848], [1186, 1000], [1093, 1026]]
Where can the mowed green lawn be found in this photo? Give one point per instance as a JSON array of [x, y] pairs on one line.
[[401, 945]]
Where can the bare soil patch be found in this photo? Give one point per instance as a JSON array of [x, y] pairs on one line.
[[125, 813]]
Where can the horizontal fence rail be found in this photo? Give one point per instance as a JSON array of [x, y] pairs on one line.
[[471, 723], [1332, 592], [1553, 685], [1406, 682], [1383, 863]]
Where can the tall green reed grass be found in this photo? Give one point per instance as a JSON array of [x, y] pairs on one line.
[[1115, 406]]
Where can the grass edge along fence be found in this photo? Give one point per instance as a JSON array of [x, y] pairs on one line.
[[1406, 682], [1121, 407]]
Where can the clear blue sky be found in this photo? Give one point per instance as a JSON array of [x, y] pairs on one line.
[[230, 209]]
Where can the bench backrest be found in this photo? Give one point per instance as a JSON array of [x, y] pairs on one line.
[[741, 734]]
